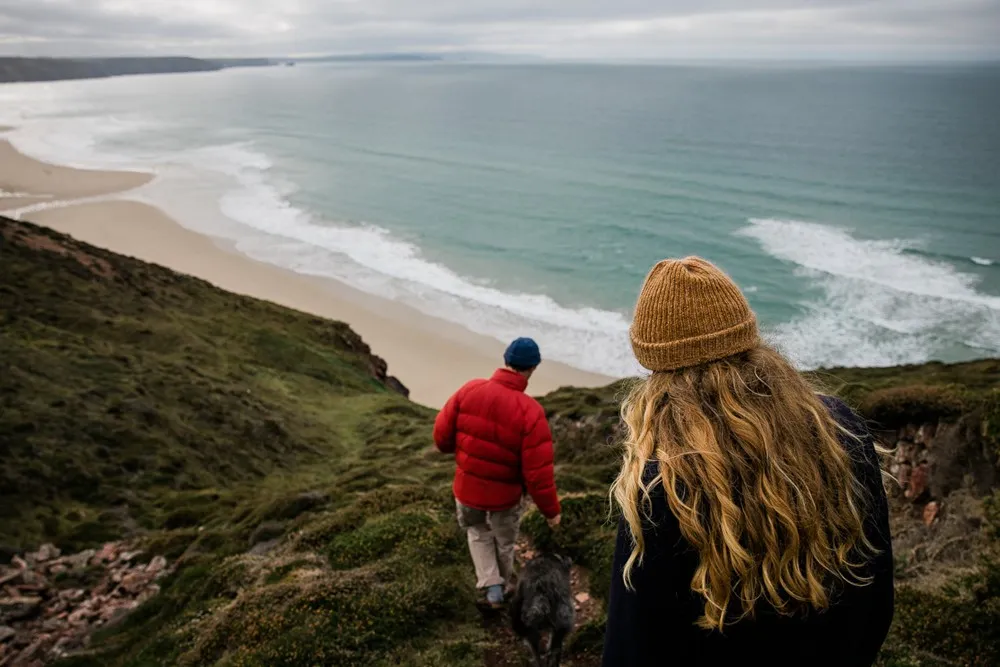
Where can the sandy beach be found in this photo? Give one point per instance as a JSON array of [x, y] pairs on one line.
[[430, 356]]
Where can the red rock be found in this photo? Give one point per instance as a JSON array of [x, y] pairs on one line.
[[55, 608], [904, 474], [52, 624], [930, 512], [16, 608], [46, 552], [134, 582], [71, 594], [919, 479], [106, 586], [927, 433], [78, 616], [26, 656], [13, 577], [37, 587], [157, 565], [80, 560], [107, 554]]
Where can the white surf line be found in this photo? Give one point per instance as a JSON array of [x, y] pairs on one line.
[[16, 213], [18, 195], [119, 195]]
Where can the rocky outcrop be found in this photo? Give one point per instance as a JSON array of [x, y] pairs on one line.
[[934, 459], [50, 603]]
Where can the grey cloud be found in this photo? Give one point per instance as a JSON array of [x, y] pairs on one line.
[[56, 19], [559, 28]]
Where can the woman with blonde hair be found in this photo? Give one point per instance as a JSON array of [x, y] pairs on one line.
[[754, 522]]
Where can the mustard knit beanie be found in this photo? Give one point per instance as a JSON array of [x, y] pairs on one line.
[[689, 312]]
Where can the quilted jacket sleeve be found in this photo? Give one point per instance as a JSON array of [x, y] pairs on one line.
[[537, 465], [446, 424]]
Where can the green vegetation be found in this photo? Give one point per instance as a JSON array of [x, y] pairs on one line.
[[925, 393], [128, 392], [266, 454]]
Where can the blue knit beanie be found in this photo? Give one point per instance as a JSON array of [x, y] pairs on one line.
[[522, 354]]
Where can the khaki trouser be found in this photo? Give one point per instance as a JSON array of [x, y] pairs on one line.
[[491, 543]]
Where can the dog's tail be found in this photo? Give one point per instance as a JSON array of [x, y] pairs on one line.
[[536, 612]]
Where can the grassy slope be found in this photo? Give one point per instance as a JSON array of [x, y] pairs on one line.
[[124, 406], [117, 389]]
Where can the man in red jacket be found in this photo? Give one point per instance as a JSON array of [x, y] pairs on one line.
[[503, 447]]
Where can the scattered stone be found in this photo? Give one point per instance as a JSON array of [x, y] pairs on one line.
[[17, 608], [582, 597], [43, 623], [919, 479], [930, 512], [71, 594], [134, 582], [52, 624], [157, 565], [81, 560], [107, 554], [925, 434], [13, 578], [46, 552], [27, 654]]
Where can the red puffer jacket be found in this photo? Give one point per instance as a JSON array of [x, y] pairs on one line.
[[502, 445]]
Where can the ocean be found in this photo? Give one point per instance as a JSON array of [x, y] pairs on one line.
[[858, 208]]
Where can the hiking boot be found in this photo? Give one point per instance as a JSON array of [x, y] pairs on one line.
[[494, 596]]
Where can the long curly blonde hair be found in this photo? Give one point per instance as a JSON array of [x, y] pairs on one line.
[[754, 471]]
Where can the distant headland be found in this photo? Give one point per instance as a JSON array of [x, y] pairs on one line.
[[14, 69]]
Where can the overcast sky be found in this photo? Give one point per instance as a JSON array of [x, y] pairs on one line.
[[601, 29]]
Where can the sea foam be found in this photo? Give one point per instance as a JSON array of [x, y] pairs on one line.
[[373, 259], [880, 304]]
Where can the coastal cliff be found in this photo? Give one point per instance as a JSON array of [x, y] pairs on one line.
[[55, 69], [256, 486]]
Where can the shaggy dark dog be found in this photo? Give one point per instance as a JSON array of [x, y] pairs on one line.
[[543, 604]]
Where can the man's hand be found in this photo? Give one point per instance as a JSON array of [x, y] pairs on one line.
[[554, 521]]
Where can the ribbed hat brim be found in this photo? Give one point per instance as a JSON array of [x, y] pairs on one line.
[[694, 351]]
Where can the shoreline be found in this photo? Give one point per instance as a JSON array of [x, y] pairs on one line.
[[430, 356]]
